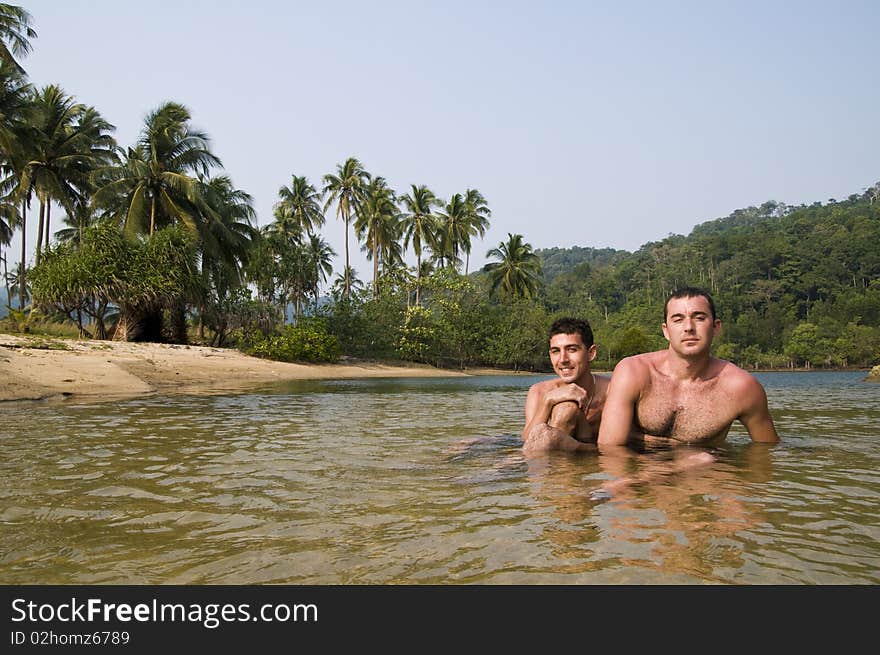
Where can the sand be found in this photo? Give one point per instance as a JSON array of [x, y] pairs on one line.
[[39, 368]]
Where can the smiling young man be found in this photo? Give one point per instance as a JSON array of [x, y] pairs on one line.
[[565, 413], [683, 394]]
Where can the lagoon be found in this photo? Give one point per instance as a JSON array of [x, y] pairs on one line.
[[421, 481]]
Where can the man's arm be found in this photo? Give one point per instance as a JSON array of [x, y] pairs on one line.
[[538, 435], [544, 396], [618, 413], [756, 417]]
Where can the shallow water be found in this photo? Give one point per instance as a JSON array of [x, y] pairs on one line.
[[422, 481]]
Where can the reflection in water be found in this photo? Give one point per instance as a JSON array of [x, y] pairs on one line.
[[423, 481]]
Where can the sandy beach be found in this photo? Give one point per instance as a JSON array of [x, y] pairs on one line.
[[37, 368]]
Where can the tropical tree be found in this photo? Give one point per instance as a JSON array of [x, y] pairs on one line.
[[453, 231], [419, 224], [320, 255], [519, 270], [300, 204], [345, 188], [15, 30], [156, 183], [377, 223], [16, 138], [227, 237], [8, 219], [70, 141], [477, 221]]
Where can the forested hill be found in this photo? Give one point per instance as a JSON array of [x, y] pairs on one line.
[[790, 283], [561, 260]]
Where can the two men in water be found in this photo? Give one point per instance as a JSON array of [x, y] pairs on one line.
[[679, 395]]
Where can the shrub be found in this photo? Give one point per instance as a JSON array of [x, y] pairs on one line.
[[309, 341]]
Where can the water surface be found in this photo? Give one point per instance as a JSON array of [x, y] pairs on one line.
[[414, 481]]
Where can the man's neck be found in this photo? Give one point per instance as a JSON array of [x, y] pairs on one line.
[[686, 368]]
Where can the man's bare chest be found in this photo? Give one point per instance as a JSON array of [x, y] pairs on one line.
[[692, 413]]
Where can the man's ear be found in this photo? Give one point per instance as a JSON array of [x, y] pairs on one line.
[[665, 330], [592, 352]]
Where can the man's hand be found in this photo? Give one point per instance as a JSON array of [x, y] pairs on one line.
[[565, 392]]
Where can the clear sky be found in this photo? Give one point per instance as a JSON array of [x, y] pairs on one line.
[[603, 124]]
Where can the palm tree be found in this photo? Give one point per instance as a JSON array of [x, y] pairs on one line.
[[17, 280], [345, 188], [478, 214], [419, 224], [377, 222], [320, 255], [227, 230], [15, 30], [300, 204], [16, 138], [70, 142], [453, 230], [519, 271], [155, 185], [349, 277], [8, 219], [227, 239]]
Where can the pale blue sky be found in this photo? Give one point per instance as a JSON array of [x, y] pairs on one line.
[[582, 123]]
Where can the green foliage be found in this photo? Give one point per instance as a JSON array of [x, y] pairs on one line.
[[105, 268], [518, 338], [805, 346], [310, 341], [632, 342], [417, 338]]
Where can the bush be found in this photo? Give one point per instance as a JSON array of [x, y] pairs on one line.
[[307, 342]]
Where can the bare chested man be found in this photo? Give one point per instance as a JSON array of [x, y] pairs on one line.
[[565, 413], [683, 394]]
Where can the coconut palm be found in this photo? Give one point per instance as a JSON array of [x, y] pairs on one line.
[[453, 230], [320, 255], [70, 142], [419, 224], [478, 214], [16, 145], [519, 271], [300, 204], [155, 184], [377, 223], [345, 188], [227, 230], [15, 30], [15, 105]]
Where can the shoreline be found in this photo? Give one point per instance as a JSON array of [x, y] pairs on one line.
[[34, 368]]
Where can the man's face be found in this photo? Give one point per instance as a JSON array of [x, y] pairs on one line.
[[689, 326], [570, 357]]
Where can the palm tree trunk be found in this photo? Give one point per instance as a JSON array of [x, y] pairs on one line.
[[375, 268], [6, 280], [21, 280], [40, 232], [48, 232], [418, 276], [152, 215], [347, 280]]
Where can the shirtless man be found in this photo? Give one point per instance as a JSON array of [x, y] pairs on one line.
[[683, 394], [565, 413]]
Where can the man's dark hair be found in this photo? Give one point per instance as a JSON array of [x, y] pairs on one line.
[[689, 292], [568, 325]]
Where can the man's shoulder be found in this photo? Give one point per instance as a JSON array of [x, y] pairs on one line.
[[737, 379], [544, 385], [641, 362]]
